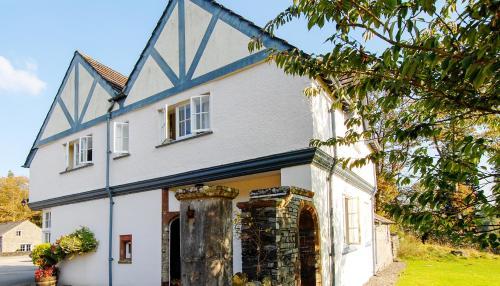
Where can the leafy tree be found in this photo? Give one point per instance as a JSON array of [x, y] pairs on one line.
[[13, 190], [429, 92]]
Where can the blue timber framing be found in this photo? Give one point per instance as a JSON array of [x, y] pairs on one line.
[[183, 81], [76, 121]]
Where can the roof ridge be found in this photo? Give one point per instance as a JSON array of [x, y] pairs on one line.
[[116, 79]]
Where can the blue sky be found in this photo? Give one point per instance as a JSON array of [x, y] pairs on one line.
[[38, 39]]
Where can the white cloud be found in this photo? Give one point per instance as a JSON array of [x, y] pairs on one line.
[[19, 81]]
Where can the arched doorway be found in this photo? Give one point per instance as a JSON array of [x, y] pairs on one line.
[[308, 248], [175, 253]]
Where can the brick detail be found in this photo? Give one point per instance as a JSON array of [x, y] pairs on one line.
[[167, 217]]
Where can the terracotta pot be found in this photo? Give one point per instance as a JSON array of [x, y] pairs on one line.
[[49, 281]]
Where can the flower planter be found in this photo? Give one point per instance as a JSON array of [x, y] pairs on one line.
[[48, 281]]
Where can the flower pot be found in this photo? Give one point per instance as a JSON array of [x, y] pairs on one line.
[[47, 281]]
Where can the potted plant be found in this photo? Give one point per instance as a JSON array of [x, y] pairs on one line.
[[46, 276], [47, 256], [46, 260]]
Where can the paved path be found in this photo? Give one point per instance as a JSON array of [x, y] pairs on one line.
[[389, 276], [16, 271]]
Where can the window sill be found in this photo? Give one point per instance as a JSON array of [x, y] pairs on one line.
[[121, 156], [77, 168], [185, 139], [125, 261]]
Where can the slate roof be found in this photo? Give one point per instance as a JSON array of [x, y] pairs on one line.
[[114, 78], [6, 226], [383, 220]]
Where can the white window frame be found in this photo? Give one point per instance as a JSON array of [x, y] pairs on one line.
[[163, 135], [352, 227], [84, 148], [198, 129], [178, 120], [121, 137], [47, 220], [19, 233], [25, 247], [46, 237]]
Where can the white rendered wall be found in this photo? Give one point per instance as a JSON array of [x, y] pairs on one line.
[[354, 265], [139, 215], [256, 112], [322, 129], [252, 112]]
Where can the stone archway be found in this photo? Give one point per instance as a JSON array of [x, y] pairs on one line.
[[309, 253]]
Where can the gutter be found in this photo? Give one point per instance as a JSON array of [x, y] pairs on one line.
[[110, 195]]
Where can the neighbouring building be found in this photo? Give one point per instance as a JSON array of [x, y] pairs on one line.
[[200, 133], [19, 236], [386, 249]]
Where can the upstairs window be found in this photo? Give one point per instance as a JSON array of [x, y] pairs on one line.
[[86, 149], [78, 152], [184, 119], [351, 218], [121, 138], [200, 116], [18, 233]]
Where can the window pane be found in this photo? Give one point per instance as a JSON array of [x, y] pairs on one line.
[[182, 130], [205, 121], [188, 126], [197, 104], [198, 122], [205, 103]]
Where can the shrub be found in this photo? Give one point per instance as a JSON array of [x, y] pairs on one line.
[[43, 256], [47, 256], [77, 243]]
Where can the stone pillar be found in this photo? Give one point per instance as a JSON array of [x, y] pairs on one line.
[[206, 235], [270, 233]]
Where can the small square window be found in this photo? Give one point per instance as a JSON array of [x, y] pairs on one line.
[[125, 249], [18, 233]]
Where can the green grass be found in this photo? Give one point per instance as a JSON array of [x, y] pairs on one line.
[[456, 272], [433, 265]]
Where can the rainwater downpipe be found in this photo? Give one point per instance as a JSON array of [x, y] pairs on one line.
[[374, 235], [110, 195], [375, 189], [330, 197]]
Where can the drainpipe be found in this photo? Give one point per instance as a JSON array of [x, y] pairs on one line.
[[110, 195], [374, 238], [330, 197]]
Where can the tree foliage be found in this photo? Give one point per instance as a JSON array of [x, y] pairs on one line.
[[13, 190], [429, 91]]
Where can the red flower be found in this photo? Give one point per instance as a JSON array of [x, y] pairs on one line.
[[45, 273]]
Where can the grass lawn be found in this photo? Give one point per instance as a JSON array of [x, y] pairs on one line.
[[456, 272]]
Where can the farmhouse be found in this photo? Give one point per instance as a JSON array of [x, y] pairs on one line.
[[168, 165], [19, 236]]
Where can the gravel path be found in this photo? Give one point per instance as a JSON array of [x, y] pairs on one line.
[[387, 277]]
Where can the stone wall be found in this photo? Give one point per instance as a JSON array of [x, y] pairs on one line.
[[207, 235], [270, 235]]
